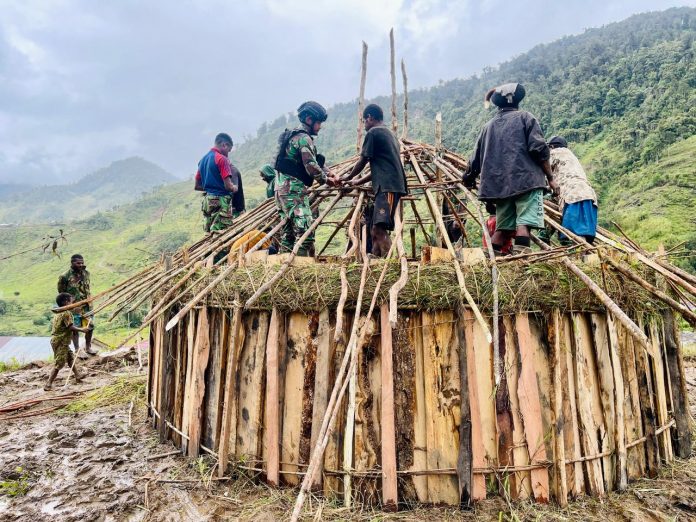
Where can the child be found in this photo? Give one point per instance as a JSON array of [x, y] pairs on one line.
[[61, 335]]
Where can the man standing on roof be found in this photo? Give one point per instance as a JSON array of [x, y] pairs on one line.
[[76, 283], [512, 158], [219, 181], [298, 166], [576, 199], [381, 149]]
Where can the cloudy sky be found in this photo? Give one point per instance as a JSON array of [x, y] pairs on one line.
[[83, 83]]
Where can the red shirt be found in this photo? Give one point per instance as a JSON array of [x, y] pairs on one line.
[[222, 163]]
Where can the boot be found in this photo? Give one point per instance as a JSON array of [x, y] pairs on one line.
[[91, 351], [51, 378]]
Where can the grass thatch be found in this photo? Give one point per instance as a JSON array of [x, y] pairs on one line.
[[529, 287]]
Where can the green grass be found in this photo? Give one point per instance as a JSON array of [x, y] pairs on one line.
[[123, 391]]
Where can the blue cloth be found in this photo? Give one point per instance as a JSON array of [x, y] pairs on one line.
[[212, 175], [580, 218]]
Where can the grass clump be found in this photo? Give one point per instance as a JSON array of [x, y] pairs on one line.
[[123, 391], [10, 366], [17, 485]]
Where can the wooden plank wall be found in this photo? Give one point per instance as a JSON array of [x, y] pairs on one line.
[[576, 394]]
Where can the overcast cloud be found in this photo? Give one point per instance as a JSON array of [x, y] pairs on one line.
[[83, 83]]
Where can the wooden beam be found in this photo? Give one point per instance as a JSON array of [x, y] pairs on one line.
[[465, 474], [324, 342], [619, 394], [558, 419]]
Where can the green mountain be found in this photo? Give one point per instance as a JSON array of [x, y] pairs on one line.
[[623, 95], [121, 182]]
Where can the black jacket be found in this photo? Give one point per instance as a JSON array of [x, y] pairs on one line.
[[508, 156]]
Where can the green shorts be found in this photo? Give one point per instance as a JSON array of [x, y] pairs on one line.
[[524, 209]]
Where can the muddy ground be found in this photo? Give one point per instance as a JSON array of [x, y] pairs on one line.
[[101, 461]]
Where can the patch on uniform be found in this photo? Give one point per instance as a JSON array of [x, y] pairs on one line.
[[382, 212]]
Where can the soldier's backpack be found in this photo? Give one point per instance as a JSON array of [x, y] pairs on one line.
[[286, 165]]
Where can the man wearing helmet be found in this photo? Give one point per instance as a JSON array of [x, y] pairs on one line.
[[512, 158], [298, 166]]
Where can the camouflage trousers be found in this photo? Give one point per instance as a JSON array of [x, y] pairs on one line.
[[62, 354], [293, 203], [217, 212]]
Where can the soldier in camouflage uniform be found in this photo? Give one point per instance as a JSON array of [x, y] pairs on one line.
[[298, 166], [76, 283], [62, 331]]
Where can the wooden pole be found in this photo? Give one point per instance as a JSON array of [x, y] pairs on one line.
[[395, 123], [558, 421], [388, 432], [403, 278], [361, 96], [404, 132]]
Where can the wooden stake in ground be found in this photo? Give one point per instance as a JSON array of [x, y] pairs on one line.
[[389, 490]]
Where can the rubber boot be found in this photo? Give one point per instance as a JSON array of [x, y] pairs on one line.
[[79, 376], [51, 378]]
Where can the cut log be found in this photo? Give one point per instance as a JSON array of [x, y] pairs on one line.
[[325, 347], [465, 470], [607, 391], [660, 387], [441, 372], [530, 408], [478, 449], [272, 434], [619, 394], [681, 435], [635, 455], [298, 342], [589, 404], [251, 390], [571, 431], [521, 485], [388, 430], [200, 362]]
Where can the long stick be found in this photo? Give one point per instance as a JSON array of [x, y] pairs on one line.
[[395, 123], [403, 278], [404, 133], [361, 97]]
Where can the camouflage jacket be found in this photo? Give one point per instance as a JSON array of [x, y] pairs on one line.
[[60, 329], [571, 177], [76, 284], [301, 147]]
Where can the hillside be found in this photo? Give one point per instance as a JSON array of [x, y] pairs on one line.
[[622, 95], [121, 182]]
